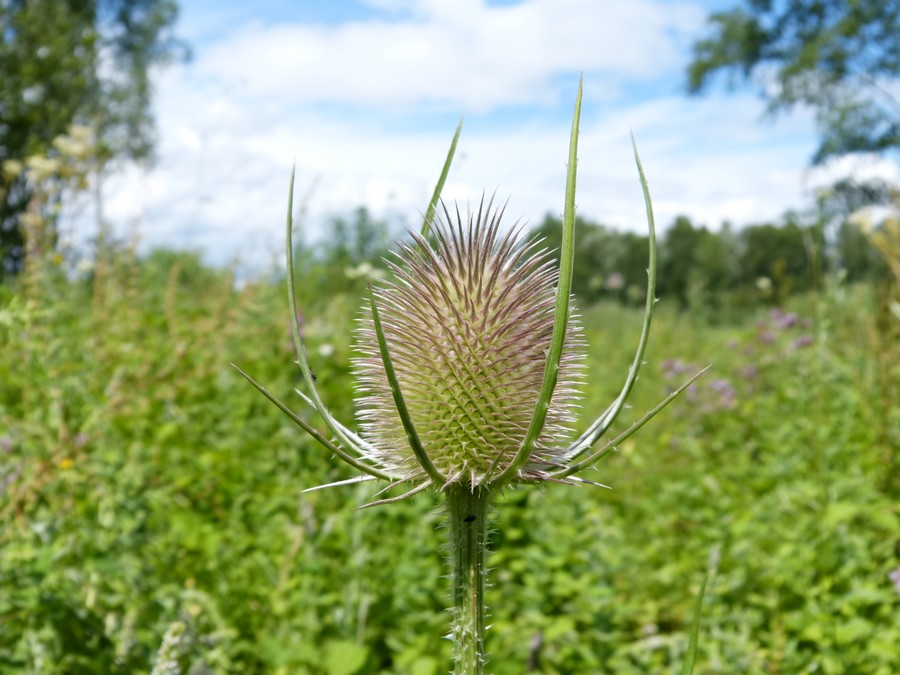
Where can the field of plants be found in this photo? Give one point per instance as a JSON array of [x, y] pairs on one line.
[[146, 488]]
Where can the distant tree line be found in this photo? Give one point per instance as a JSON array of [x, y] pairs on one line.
[[700, 268]]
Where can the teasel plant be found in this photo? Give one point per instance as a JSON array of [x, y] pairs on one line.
[[469, 363]]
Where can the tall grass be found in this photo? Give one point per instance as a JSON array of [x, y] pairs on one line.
[[143, 484]]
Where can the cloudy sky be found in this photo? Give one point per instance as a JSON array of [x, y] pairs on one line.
[[364, 95]]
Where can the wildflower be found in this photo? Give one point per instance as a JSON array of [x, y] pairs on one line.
[[615, 281], [802, 341], [723, 395], [764, 286], [468, 376], [467, 325], [40, 167], [676, 368], [365, 270], [783, 320], [12, 167], [167, 658], [894, 576]]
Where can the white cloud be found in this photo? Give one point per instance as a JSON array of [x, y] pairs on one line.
[[353, 105], [459, 53], [861, 167]]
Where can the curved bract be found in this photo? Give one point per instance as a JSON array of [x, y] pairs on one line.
[[470, 357], [470, 360]]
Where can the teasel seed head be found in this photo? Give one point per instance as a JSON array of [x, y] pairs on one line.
[[470, 359], [467, 322]]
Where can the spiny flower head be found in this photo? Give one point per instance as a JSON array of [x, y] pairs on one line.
[[470, 359], [467, 322], [468, 371]]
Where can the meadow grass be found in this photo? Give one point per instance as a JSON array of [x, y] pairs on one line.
[[143, 483]]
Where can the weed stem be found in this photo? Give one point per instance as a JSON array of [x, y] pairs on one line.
[[468, 510]]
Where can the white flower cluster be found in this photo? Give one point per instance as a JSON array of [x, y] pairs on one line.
[[169, 651]]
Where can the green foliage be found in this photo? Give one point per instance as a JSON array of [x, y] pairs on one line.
[[832, 55], [719, 275], [608, 264], [145, 485], [73, 62]]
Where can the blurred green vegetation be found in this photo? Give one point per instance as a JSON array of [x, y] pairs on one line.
[[76, 83], [144, 483], [722, 274]]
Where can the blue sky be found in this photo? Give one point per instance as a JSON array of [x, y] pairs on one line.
[[364, 96]]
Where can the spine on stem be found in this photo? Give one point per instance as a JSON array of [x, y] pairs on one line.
[[468, 510]]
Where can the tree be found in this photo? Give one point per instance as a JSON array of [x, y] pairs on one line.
[[841, 57], [73, 62], [678, 260], [780, 253], [608, 264]]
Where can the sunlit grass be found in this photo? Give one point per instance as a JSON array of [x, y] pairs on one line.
[[144, 483]]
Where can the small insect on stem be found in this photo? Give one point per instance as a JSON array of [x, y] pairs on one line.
[[470, 518]]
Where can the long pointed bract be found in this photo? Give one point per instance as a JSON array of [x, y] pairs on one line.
[[339, 483], [295, 332], [411, 435], [391, 500], [312, 431], [691, 659], [561, 319], [368, 449], [605, 421], [593, 457], [436, 196]]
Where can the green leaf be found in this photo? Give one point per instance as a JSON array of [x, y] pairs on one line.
[[691, 659], [343, 657]]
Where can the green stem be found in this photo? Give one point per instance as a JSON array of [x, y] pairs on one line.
[[468, 547]]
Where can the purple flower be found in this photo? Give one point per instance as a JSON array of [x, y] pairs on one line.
[[6, 443], [802, 341], [767, 337], [615, 281], [724, 392], [9, 479], [750, 372], [674, 368], [895, 578], [786, 321]]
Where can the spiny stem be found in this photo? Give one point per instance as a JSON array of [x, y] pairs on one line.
[[468, 510]]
